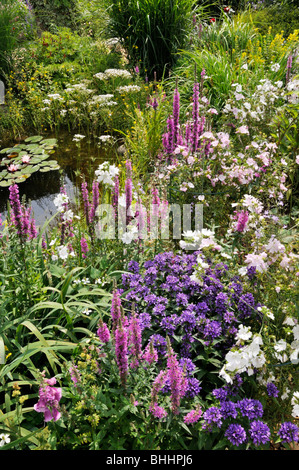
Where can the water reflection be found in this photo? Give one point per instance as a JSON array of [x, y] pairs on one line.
[[77, 163]]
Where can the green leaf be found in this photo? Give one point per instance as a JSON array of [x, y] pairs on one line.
[[49, 142], [35, 138]]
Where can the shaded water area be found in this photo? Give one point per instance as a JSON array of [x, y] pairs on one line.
[[77, 162]]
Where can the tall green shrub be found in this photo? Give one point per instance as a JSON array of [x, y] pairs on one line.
[[152, 31], [10, 12]]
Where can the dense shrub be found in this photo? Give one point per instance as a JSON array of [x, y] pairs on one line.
[[152, 31]]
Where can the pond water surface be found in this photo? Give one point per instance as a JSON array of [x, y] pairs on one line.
[[76, 164]]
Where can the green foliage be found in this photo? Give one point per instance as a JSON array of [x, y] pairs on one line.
[[152, 31], [282, 17], [12, 19], [57, 13]]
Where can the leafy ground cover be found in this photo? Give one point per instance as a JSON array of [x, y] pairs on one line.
[[159, 311]]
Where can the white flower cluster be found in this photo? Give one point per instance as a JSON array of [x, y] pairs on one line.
[[78, 137], [243, 357], [113, 73], [106, 173], [257, 105], [102, 100], [128, 89], [60, 201], [106, 138], [199, 240], [293, 86], [79, 88]]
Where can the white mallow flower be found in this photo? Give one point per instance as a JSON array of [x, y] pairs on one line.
[[129, 235], [296, 332], [245, 359], [106, 172], [60, 201], [257, 261], [62, 252], [202, 264], [289, 321], [294, 356], [244, 333], [281, 345], [68, 216], [295, 411], [4, 439], [274, 246]]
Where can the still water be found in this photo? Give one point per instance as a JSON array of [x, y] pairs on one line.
[[76, 164]]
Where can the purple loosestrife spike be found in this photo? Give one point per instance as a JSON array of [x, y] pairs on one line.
[[157, 411], [25, 222], [178, 384], [154, 103], [95, 201], [115, 193], [103, 332], [86, 202], [193, 416], [16, 208], [158, 385], [170, 128], [150, 354], [128, 190], [75, 375], [176, 117], [135, 339], [121, 352], [242, 221], [195, 116], [84, 247], [115, 308]]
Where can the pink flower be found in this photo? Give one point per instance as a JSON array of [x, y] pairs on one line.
[[26, 159], [150, 354], [134, 339], [242, 130], [115, 308], [49, 398], [121, 352], [193, 416], [13, 167], [242, 221], [177, 381], [103, 332], [158, 411]]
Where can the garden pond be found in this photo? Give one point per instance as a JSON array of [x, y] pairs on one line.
[[67, 161]]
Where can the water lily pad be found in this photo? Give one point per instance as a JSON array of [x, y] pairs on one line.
[[45, 169], [20, 180], [35, 160], [31, 147], [34, 138], [5, 183], [50, 142]]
